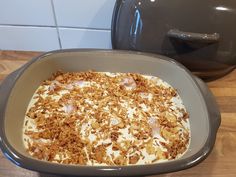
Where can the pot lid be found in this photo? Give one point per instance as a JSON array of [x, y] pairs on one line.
[[198, 33]]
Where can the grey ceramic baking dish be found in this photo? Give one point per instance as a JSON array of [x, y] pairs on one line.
[[18, 88]]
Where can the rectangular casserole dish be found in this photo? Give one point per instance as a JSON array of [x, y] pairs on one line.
[[18, 88]]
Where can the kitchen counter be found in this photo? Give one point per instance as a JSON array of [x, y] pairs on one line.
[[220, 163]]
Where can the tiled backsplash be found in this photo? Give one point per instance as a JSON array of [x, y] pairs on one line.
[[42, 25]]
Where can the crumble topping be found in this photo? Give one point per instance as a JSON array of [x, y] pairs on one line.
[[102, 118]]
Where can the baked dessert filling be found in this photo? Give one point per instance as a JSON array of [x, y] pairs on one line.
[[103, 118]]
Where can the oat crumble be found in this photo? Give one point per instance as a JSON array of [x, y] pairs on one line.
[[102, 118]]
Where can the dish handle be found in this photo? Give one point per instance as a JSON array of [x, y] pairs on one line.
[[213, 108], [194, 37], [5, 89]]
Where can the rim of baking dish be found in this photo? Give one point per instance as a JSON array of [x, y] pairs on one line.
[[42, 166]]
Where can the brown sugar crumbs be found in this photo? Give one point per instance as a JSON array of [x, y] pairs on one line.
[[102, 118]]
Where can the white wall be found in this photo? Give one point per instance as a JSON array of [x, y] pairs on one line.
[[42, 25]]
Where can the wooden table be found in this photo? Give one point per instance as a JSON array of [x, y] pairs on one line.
[[220, 163]]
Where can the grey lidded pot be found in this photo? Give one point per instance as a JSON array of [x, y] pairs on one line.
[[17, 89], [198, 33]]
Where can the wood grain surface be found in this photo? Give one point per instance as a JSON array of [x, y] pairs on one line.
[[220, 163]]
